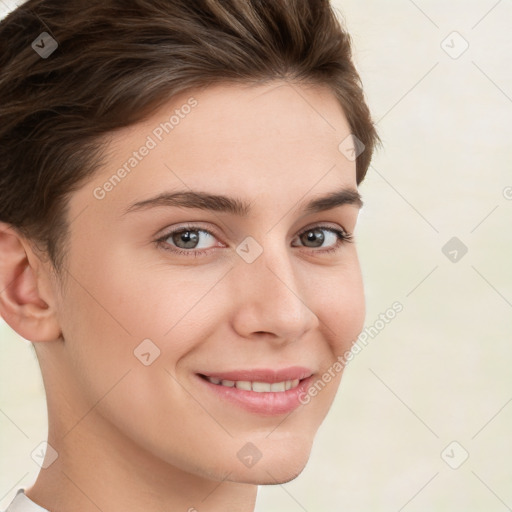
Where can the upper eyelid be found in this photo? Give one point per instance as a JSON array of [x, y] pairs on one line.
[[191, 227], [194, 227]]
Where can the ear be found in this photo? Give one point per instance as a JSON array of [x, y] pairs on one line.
[[26, 301]]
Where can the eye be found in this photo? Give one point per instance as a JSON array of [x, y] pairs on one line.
[[189, 240], [323, 236]]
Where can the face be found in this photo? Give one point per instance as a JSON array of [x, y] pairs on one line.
[[198, 323]]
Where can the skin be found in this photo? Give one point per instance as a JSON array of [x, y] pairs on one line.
[[133, 437]]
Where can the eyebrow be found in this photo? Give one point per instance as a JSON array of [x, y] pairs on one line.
[[233, 205]]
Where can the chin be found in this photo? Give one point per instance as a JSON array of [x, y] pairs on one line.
[[274, 468], [276, 474]]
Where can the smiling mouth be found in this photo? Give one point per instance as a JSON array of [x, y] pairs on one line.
[[261, 391], [257, 386]]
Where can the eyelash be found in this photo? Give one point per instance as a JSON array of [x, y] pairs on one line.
[[343, 237]]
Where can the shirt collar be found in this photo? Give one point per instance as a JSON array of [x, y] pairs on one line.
[[22, 503]]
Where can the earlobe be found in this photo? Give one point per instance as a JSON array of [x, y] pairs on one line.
[[21, 304]]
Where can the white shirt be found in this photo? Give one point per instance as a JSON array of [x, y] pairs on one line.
[[22, 503]]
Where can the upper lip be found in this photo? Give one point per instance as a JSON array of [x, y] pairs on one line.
[[262, 374]]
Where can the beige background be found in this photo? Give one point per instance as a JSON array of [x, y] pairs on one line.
[[440, 371]]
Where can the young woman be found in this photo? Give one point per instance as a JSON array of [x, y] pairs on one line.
[[178, 199]]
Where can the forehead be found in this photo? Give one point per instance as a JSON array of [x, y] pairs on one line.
[[263, 142]]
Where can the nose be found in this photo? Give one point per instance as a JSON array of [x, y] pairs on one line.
[[271, 299]]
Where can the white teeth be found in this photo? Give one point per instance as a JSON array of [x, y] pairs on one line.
[[258, 387], [243, 384], [278, 386], [261, 387]]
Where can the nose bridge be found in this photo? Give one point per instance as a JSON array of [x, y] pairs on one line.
[[269, 296]]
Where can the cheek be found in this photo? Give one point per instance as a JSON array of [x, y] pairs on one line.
[[112, 317], [139, 298], [340, 305], [111, 310], [152, 299]]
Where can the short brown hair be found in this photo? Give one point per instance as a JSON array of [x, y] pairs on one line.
[[117, 61]]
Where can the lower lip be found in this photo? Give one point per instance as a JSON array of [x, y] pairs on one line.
[[266, 403]]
